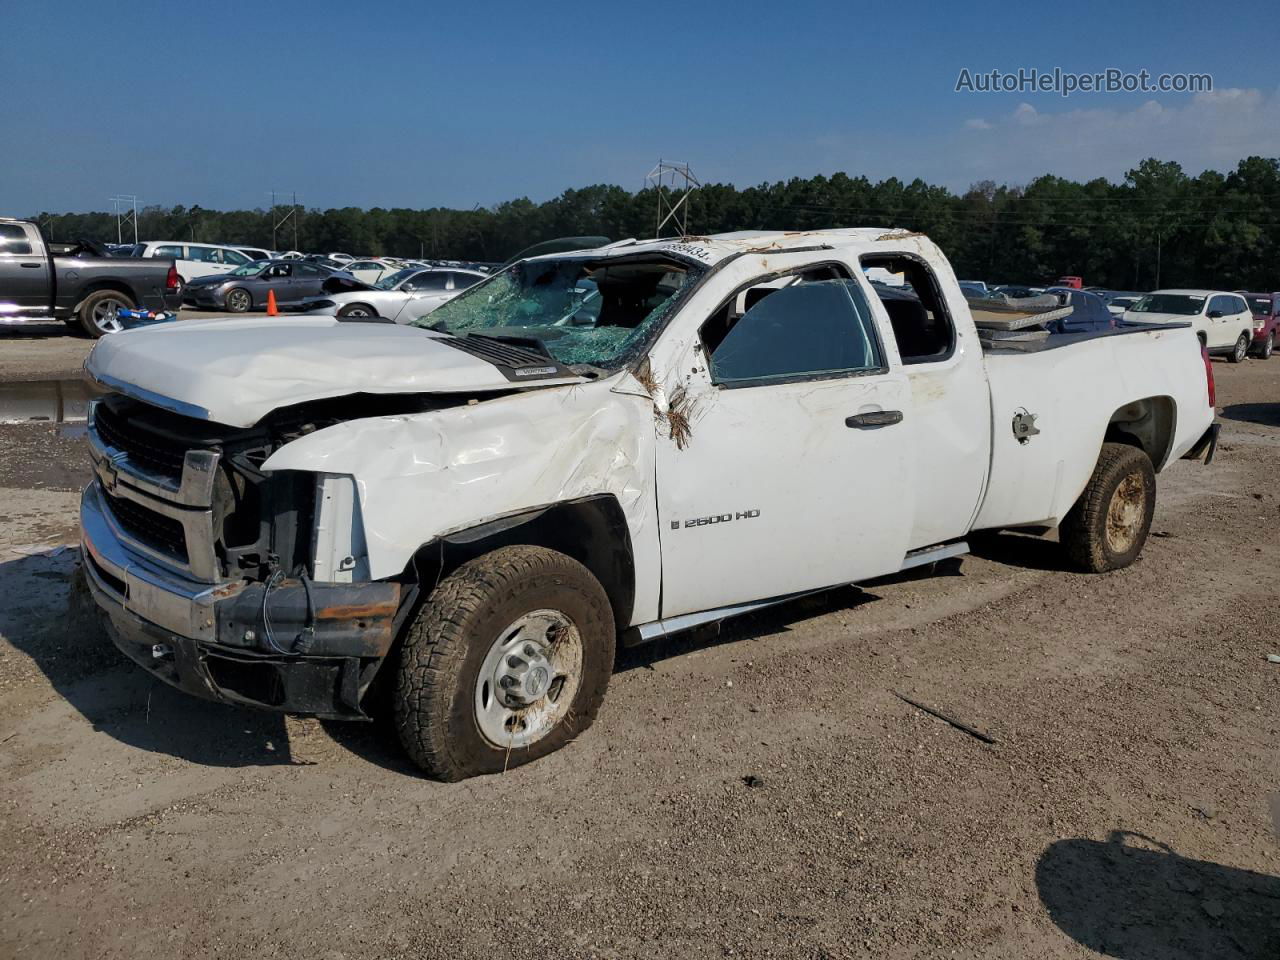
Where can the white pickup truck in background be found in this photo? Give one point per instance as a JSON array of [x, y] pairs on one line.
[[615, 443]]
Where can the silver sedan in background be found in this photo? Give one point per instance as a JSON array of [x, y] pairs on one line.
[[402, 296]]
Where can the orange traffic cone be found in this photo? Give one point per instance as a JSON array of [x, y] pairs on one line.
[[272, 309]]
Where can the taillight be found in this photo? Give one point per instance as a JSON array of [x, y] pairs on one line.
[[171, 281], [1208, 375]]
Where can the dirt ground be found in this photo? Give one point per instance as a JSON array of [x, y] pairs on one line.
[[758, 791]]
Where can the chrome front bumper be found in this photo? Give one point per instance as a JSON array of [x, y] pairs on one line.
[[208, 639]]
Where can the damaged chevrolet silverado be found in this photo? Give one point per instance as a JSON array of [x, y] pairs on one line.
[[466, 515]]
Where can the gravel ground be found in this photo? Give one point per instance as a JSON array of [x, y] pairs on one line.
[[759, 791]]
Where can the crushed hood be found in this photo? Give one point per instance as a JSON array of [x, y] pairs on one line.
[[235, 372]]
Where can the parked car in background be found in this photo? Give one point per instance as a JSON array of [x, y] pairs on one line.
[[255, 253], [1073, 283], [340, 257], [288, 255], [1222, 321], [970, 289], [246, 288], [371, 271], [402, 296], [1266, 321], [194, 259], [976, 284], [1118, 305], [1017, 291], [77, 283], [1088, 311]]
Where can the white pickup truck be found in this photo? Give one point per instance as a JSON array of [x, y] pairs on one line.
[[590, 448]]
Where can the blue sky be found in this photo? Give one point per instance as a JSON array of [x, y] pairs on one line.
[[394, 103]]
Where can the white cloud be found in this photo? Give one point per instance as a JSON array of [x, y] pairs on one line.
[[1210, 130]]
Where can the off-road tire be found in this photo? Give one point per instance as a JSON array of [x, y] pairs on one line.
[[90, 304], [357, 310], [1090, 533], [1240, 350], [444, 647], [236, 304]]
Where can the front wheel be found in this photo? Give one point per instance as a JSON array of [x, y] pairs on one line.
[[239, 300], [507, 661], [1241, 349], [1108, 525], [357, 310]]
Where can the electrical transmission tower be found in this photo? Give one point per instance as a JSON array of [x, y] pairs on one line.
[[673, 183], [277, 221], [126, 213]]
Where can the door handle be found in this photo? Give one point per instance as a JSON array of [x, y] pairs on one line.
[[877, 418], [32, 266]]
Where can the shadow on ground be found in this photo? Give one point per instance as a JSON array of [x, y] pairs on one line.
[[56, 626], [1266, 414], [1025, 550], [1136, 899]]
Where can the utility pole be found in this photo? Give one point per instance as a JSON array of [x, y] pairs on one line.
[[126, 211], [278, 222], [680, 181]]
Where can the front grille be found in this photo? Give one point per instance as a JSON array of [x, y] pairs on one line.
[[152, 529], [144, 448]]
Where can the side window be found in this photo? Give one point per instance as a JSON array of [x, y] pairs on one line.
[[1217, 305], [234, 257], [805, 330], [429, 282], [167, 252], [303, 270], [13, 240], [1239, 306], [202, 254], [463, 280], [282, 270], [922, 325]]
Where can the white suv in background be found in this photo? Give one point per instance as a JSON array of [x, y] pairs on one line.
[[194, 259], [1223, 321]]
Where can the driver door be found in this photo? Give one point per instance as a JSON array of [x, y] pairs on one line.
[[789, 466]]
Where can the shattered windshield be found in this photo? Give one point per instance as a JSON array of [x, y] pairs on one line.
[[584, 311]]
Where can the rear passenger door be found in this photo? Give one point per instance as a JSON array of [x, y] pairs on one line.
[[785, 464], [307, 278]]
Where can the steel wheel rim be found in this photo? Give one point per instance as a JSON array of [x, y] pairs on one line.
[[1126, 513], [529, 679], [105, 316]]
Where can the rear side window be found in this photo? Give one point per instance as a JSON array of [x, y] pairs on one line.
[[13, 240], [204, 255], [167, 253], [430, 281], [234, 257], [922, 325], [804, 331], [463, 280]]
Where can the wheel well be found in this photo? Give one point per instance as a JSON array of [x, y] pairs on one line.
[[98, 285], [592, 531], [1147, 424]]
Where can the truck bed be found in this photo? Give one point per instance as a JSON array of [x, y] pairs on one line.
[[1056, 341]]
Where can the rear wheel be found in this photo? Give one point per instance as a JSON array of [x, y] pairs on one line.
[[357, 310], [507, 661], [98, 312], [239, 300], [1108, 526], [1267, 348], [1241, 349]]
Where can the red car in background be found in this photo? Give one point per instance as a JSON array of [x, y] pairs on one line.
[[1266, 321]]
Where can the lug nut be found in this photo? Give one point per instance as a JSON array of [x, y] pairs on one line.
[[530, 650], [515, 663], [507, 682]]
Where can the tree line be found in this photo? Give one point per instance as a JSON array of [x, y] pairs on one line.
[[1159, 227]]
